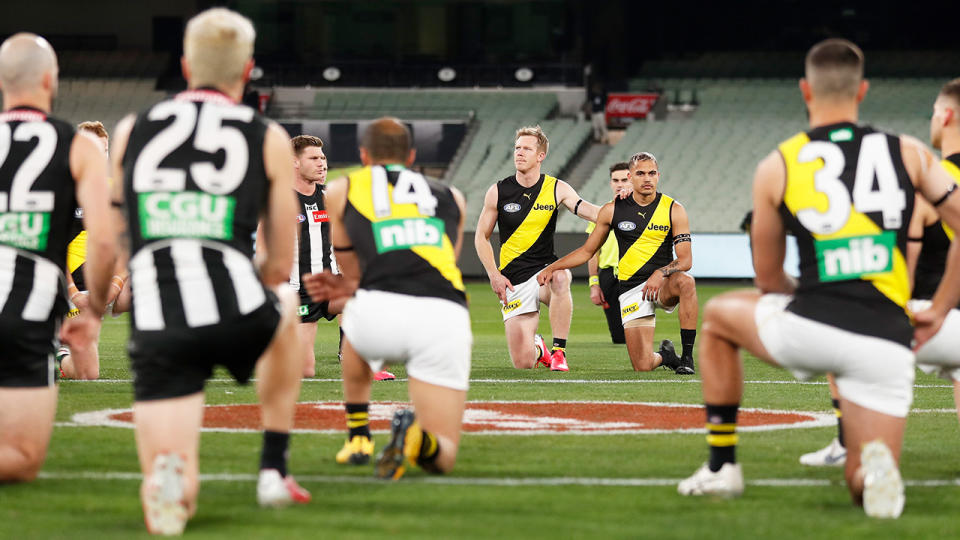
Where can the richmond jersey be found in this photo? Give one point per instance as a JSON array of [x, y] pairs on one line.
[[848, 200], [403, 228], [37, 201], [526, 219], [936, 243], [314, 253], [195, 186], [644, 238]]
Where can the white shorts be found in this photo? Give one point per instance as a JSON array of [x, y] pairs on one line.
[[524, 298], [941, 355], [430, 335], [871, 372], [633, 306]]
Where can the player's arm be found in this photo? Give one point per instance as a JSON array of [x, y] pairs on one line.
[[89, 170], [939, 188], [568, 197], [921, 215], [767, 232], [680, 225], [583, 253], [462, 206], [481, 241], [593, 270], [279, 225]]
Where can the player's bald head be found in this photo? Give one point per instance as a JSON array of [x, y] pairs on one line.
[[24, 60], [387, 139], [834, 69]]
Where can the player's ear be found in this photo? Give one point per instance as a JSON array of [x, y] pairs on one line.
[[185, 68], [411, 157], [862, 90], [805, 90], [247, 68], [365, 157]]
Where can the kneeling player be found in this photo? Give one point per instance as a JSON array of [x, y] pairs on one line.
[[397, 236]]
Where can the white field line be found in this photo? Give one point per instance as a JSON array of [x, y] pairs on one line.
[[106, 476], [535, 381]]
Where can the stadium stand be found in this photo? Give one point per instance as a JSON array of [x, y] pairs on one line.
[[104, 99], [708, 158]]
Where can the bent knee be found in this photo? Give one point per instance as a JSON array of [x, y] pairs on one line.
[[24, 467], [561, 280], [647, 362]]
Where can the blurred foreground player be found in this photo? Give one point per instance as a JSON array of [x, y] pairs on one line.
[[397, 236], [46, 171], [197, 171]]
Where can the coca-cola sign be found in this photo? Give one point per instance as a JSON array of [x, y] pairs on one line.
[[629, 105]]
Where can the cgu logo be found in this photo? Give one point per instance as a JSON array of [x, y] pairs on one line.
[[188, 205], [653, 227], [548, 207]]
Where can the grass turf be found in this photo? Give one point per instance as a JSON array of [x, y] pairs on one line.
[[345, 505]]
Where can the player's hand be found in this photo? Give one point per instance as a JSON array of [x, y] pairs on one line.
[[327, 286], [596, 295], [80, 334], [545, 275], [625, 191], [651, 289], [926, 325], [81, 301], [500, 284]]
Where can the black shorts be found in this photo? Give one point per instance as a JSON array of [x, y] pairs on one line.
[[311, 311], [177, 362], [77, 276], [27, 352]]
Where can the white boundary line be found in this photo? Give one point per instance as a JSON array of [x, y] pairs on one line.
[[478, 481], [535, 381], [102, 418]]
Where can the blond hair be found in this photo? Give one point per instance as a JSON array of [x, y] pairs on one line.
[[535, 131], [95, 127], [217, 45]]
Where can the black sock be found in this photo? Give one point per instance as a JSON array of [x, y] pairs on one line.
[[836, 411], [274, 453], [559, 344], [358, 419], [722, 434], [687, 338], [429, 450], [340, 346]]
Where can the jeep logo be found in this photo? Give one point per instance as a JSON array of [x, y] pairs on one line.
[[626, 225], [653, 227], [547, 207], [511, 207]]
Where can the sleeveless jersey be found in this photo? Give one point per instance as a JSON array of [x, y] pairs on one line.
[[936, 243], [77, 248], [37, 200], [314, 254], [195, 186], [403, 228], [526, 219], [644, 237], [848, 200]]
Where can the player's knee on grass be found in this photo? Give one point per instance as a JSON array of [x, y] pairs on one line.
[[25, 459]]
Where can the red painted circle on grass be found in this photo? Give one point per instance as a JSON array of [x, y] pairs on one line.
[[521, 417]]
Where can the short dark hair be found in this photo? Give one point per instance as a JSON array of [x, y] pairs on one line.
[[834, 67], [644, 156], [952, 90], [619, 166], [302, 142], [387, 139]]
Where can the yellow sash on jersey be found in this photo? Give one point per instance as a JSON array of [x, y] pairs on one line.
[[532, 226], [440, 257], [77, 251], [649, 241], [955, 173], [801, 194]]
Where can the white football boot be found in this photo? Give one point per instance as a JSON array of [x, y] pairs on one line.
[[832, 455], [883, 495], [727, 482]]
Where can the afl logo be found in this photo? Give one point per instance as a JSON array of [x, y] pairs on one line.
[[78, 213], [626, 225], [301, 218], [511, 207]]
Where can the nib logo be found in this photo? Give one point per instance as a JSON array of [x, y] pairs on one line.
[[393, 234], [853, 257]]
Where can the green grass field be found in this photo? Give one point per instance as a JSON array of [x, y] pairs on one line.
[[507, 486]]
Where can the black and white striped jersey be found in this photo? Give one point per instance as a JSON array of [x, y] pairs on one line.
[[195, 186], [314, 252], [37, 201]]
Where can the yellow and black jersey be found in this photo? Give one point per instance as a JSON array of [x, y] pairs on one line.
[[527, 220], [936, 243], [77, 249], [403, 227], [644, 238], [848, 200]]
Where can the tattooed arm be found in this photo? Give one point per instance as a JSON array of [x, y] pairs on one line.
[[681, 245]]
